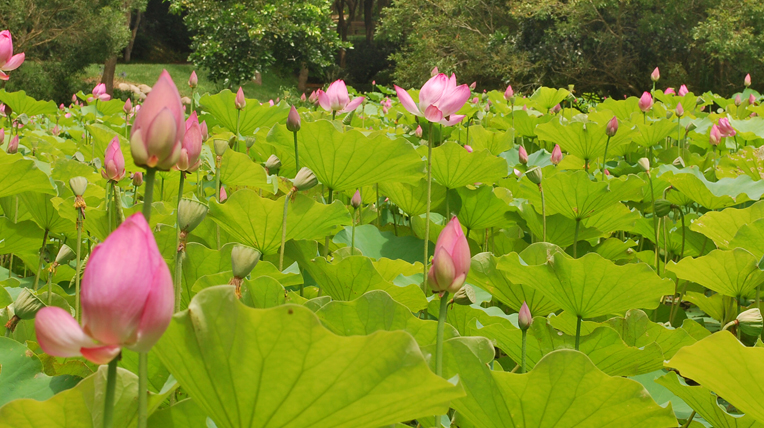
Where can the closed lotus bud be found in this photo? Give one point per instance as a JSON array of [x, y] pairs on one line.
[[646, 102], [193, 81], [243, 260], [690, 127], [13, 145], [65, 255], [273, 164], [751, 101], [127, 107], [747, 80], [607, 172], [738, 100], [655, 75], [750, 322], [682, 91], [2, 135], [534, 175], [303, 98], [240, 102], [523, 155], [524, 317], [220, 146], [223, 195], [669, 91], [113, 162], [418, 131], [517, 172], [250, 141], [465, 296], [475, 100], [509, 94], [356, 201], [556, 109], [305, 179], [451, 261], [192, 146], [204, 131], [662, 207], [644, 163], [78, 185], [669, 114], [137, 179], [190, 214], [612, 127], [468, 148], [725, 127], [293, 120], [556, 157], [473, 85], [715, 137]]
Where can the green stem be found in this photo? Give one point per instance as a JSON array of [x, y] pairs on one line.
[[143, 391], [238, 122], [283, 233], [352, 235], [543, 212], [379, 207], [148, 196], [441, 329], [689, 420], [50, 292], [178, 273], [448, 207], [327, 238], [575, 239], [119, 217], [578, 331], [42, 255], [681, 253], [429, 203], [522, 360], [108, 402], [109, 208], [296, 155], [604, 158], [80, 221], [655, 224], [135, 195]]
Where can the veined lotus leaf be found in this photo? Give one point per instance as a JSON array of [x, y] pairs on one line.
[[101, 137], [712, 195], [716, 306], [636, 329], [723, 365], [485, 274], [749, 129], [82, 406], [652, 133], [44, 214], [412, 198], [221, 106], [263, 292], [721, 227], [585, 141], [565, 389], [748, 160], [467, 319], [19, 176], [545, 98], [751, 237], [704, 402], [481, 208], [376, 310], [21, 237], [112, 107], [186, 414], [238, 169], [559, 229], [623, 109], [733, 273], [256, 221], [590, 286], [390, 269], [63, 169], [349, 160], [376, 244], [454, 167], [281, 368], [615, 249], [494, 142], [603, 345], [20, 103]]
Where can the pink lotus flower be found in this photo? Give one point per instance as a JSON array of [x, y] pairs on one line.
[[646, 102], [113, 162], [716, 136], [2, 136], [751, 99], [556, 157], [158, 130], [475, 100], [439, 99], [223, 194], [655, 75], [61, 107], [293, 120], [240, 102], [523, 155], [683, 91], [679, 110], [669, 91], [271, 103], [418, 131], [725, 128], [13, 145], [99, 92], [524, 317], [509, 94], [451, 261], [468, 148], [55, 131], [313, 98], [612, 127], [356, 200], [128, 107], [473, 85], [127, 299], [193, 80], [747, 80], [191, 147], [302, 97], [8, 61], [336, 98], [434, 72]]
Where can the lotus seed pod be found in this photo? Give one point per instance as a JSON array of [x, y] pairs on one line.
[[750, 322], [78, 185], [524, 317], [65, 255], [465, 296], [27, 304], [678, 162], [250, 141], [305, 179], [534, 175], [662, 207], [243, 260], [220, 146], [190, 214], [273, 164], [644, 163]]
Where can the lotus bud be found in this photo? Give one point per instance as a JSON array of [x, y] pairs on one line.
[[556, 157], [190, 214], [524, 317], [65, 255], [356, 201], [303, 98], [273, 164], [669, 114], [662, 207], [523, 155], [644, 163], [607, 172], [509, 94], [475, 100], [465, 296], [191, 150], [612, 127], [451, 261], [655, 75], [418, 131], [250, 141], [517, 172], [473, 85], [468, 148], [223, 195], [137, 178], [690, 127], [556, 109], [127, 107], [204, 131], [113, 162], [240, 102], [669, 91], [2, 135], [534, 175], [725, 127], [220, 147], [305, 179], [13, 145], [750, 322], [751, 101], [715, 137], [738, 100], [193, 81], [683, 91], [747, 80], [78, 185], [646, 102], [293, 120]]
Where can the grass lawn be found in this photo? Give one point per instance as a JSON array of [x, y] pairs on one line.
[[273, 85]]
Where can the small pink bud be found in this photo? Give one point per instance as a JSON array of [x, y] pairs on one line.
[[738, 100], [137, 178], [747, 80], [669, 91], [193, 81], [646, 102], [223, 194], [468, 148], [523, 155], [293, 120], [751, 99], [203, 130], [612, 127], [2, 136], [373, 83], [451, 261], [240, 102], [113, 162], [725, 128], [128, 106], [192, 145], [418, 131], [556, 157], [313, 98], [683, 91], [679, 110], [61, 107], [13, 145], [473, 85], [524, 317], [475, 100], [556, 109], [607, 172], [509, 94], [716, 136], [356, 201], [303, 97], [517, 172], [655, 75]]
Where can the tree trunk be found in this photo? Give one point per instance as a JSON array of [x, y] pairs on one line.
[[341, 28], [368, 23], [129, 48], [108, 74], [302, 81]]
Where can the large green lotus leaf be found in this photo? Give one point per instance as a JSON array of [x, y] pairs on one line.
[[390, 269], [545, 98], [723, 365], [564, 390], [349, 160], [713, 195], [19, 176], [376, 244], [21, 237], [20, 103], [592, 285], [560, 230], [750, 128], [732, 273], [467, 319], [281, 368], [494, 142], [238, 169], [623, 109], [82, 406], [636, 329], [21, 374], [63, 169], [603, 345], [412, 198], [722, 226], [652, 133], [156, 371], [746, 161], [481, 208], [256, 221], [184, 414], [221, 106], [374, 311], [45, 214], [199, 261], [704, 402], [454, 167], [750, 237], [263, 292], [585, 141], [485, 274], [524, 122]]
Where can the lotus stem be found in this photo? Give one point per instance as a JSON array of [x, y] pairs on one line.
[[42, 256], [655, 224], [50, 283], [149, 194], [352, 235], [578, 331], [238, 123], [378, 206], [283, 234], [441, 329], [143, 392], [119, 216], [429, 203], [80, 222], [604, 158], [543, 213], [108, 402], [109, 209], [135, 195], [178, 245], [448, 207], [522, 360], [327, 238]]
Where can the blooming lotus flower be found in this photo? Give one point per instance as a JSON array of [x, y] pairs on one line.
[[556, 157], [127, 299], [509, 94], [191, 147], [439, 99], [193, 80], [726, 128], [646, 102], [99, 92], [747, 80], [523, 155], [612, 127], [240, 102], [669, 91], [679, 110], [13, 145], [716, 136], [113, 162], [8, 61], [158, 130], [683, 91], [451, 261], [336, 98], [468, 148], [655, 75]]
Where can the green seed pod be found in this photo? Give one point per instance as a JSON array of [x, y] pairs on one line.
[[305, 179], [243, 260], [78, 185], [662, 207], [65, 255], [220, 146], [465, 296], [534, 175], [250, 141], [27, 304], [750, 322], [190, 214], [273, 164]]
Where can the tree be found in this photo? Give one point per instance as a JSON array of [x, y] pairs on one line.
[[235, 39]]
